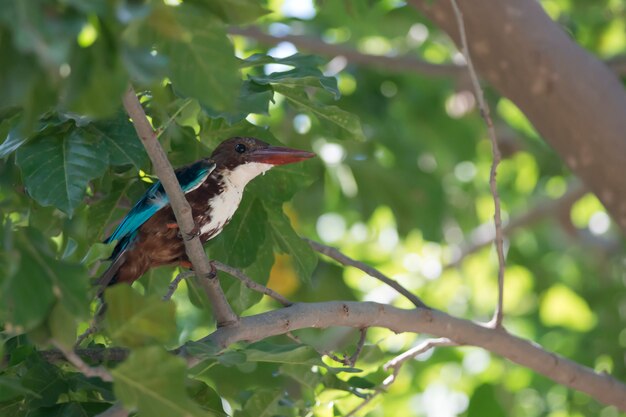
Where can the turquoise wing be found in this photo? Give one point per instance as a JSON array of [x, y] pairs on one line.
[[155, 198]]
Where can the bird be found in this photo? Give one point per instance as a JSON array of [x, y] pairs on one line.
[[148, 236]]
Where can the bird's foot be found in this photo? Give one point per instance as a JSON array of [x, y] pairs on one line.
[[171, 225], [213, 272], [195, 232]]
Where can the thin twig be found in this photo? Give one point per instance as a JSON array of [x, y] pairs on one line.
[[171, 289], [88, 371], [222, 311], [346, 260], [93, 328], [346, 360], [351, 361], [253, 285], [496, 322], [396, 363]]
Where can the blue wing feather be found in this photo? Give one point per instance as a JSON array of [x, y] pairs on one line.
[[154, 199]]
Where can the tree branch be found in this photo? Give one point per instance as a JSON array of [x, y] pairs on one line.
[[373, 272], [222, 311], [602, 387], [248, 282], [387, 63], [79, 364], [484, 111]]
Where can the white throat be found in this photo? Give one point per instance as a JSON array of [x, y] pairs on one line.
[[243, 174], [224, 204]]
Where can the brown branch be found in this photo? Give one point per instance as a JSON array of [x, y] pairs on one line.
[[171, 289], [600, 386], [387, 63], [222, 311], [373, 272], [79, 364], [253, 285], [484, 111]]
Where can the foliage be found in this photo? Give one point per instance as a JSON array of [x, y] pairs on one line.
[[400, 183]]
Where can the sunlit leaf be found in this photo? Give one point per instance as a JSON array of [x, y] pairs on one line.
[[560, 306]]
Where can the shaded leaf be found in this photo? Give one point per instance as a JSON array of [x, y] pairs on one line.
[[202, 61], [135, 320], [120, 140], [57, 169], [262, 404], [344, 124], [287, 241], [286, 354], [153, 381]]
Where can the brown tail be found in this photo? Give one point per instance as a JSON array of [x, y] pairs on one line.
[[109, 277]]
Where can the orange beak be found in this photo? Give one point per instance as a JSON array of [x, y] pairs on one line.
[[278, 155]]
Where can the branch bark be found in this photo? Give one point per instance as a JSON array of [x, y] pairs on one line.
[[576, 103], [602, 387], [222, 311]]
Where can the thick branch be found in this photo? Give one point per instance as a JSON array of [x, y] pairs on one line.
[[602, 387], [222, 311], [387, 63], [575, 102]]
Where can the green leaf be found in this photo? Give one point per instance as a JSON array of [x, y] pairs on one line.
[[135, 320], [286, 354], [241, 297], [484, 401], [57, 169], [120, 140], [153, 381], [287, 241], [13, 141], [300, 77], [205, 396], [62, 325], [11, 387], [344, 124], [253, 98], [235, 11], [45, 380], [202, 61], [263, 403], [35, 279], [97, 81], [296, 60]]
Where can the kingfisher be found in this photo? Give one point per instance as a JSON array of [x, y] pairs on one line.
[[149, 237]]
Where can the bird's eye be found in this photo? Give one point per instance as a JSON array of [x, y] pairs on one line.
[[240, 147]]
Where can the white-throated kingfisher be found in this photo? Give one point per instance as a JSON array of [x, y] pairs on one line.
[[148, 236]]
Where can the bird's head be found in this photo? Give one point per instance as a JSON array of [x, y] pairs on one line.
[[248, 157]]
